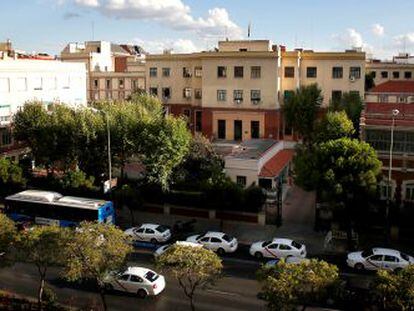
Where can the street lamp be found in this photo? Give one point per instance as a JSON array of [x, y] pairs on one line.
[[108, 132], [395, 113]]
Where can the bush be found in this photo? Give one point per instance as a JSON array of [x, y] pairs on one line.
[[77, 179], [254, 198]]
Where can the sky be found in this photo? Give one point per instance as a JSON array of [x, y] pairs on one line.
[[381, 28]]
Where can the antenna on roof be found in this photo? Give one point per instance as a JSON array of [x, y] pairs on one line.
[[93, 30], [249, 29]]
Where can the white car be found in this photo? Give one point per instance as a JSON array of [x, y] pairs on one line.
[[141, 281], [277, 248], [153, 233], [162, 249], [215, 241], [379, 258]]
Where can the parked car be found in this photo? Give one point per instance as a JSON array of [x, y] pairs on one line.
[[290, 260], [162, 249], [215, 241], [379, 258], [277, 248], [153, 233], [140, 281]]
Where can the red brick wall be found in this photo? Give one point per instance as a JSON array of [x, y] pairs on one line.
[[272, 124], [207, 123], [120, 64]]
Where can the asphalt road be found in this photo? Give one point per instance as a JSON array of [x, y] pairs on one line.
[[237, 290]]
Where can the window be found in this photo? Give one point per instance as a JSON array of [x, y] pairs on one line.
[[124, 277], [255, 129], [386, 190], [221, 71], [390, 258], [373, 74], [384, 74], [241, 181], [20, 84], [255, 96], [6, 137], [311, 72], [402, 99], [409, 192], [273, 246], [121, 83], [186, 72], [256, 72], [354, 93], [166, 92], [108, 83], [187, 92], [382, 98], [166, 72], [37, 83], [153, 72], [121, 95], [221, 95], [284, 247], [243, 50], [408, 74], [289, 72], [215, 240], [205, 240], [337, 72], [221, 124], [135, 279], [375, 258], [238, 71], [198, 72], [197, 93], [149, 231], [95, 83], [98, 49], [238, 96], [134, 85], [336, 96], [355, 72], [153, 91], [396, 74], [187, 113], [198, 120]]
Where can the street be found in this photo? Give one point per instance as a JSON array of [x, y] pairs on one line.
[[237, 290]]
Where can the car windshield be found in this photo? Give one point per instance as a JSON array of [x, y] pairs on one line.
[[266, 243], [296, 245], [405, 256], [227, 238], [151, 276], [367, 253], [162, 228]]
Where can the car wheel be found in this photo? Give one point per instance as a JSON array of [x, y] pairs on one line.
[[142, 293], [109, 288], [220, 251], [397, 270], [258, 255], [154, 241], [359, 266]]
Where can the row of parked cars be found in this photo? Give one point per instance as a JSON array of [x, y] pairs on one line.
[[146, 282]]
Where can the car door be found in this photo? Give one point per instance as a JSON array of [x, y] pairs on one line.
[[136, 283], [139, 234], [285, 250], [205, 241], [149, 234], [216, 243], [374, 262], [271, 251], [390, 262], [122, 283]]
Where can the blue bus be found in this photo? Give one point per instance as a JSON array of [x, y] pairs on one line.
[[52, 208]]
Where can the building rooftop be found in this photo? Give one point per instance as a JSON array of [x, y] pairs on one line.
[[273, 167], [394, 86], [252, 149]]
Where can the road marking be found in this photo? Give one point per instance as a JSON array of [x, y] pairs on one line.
[[215, 291]]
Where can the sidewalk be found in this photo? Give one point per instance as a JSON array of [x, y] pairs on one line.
[[244, 232]]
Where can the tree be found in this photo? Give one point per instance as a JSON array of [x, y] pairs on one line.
[[286, 286], [395, 291], [369, 81], [43, 246], [353, 105], [8, 236], [301, 109], [10, 173], [76, 179], [334, 125], [193, 268], [95, 250]]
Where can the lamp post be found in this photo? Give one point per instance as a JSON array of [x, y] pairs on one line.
[[108, 133], [395, 113]]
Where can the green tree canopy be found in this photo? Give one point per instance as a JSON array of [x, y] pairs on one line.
[[301, 109], [10, 173], [353, 105], [95, 250], [334, 125], [287, 286], [395, 291], [43, 246], [192, 267], [8, 237]]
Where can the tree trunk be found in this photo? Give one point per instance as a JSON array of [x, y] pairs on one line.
[[41, 287], [192, 304], [131, 215], [102, 294]]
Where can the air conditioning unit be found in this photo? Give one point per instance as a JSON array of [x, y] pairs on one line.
[[352, 79], [238, 101], [255, 101]]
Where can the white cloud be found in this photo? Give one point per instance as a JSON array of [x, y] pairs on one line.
[[351, 38], [404, 40], [377, 30], [176, 46], [172, 13]]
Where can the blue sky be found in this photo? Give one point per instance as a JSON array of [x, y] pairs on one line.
[[380, 27]]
